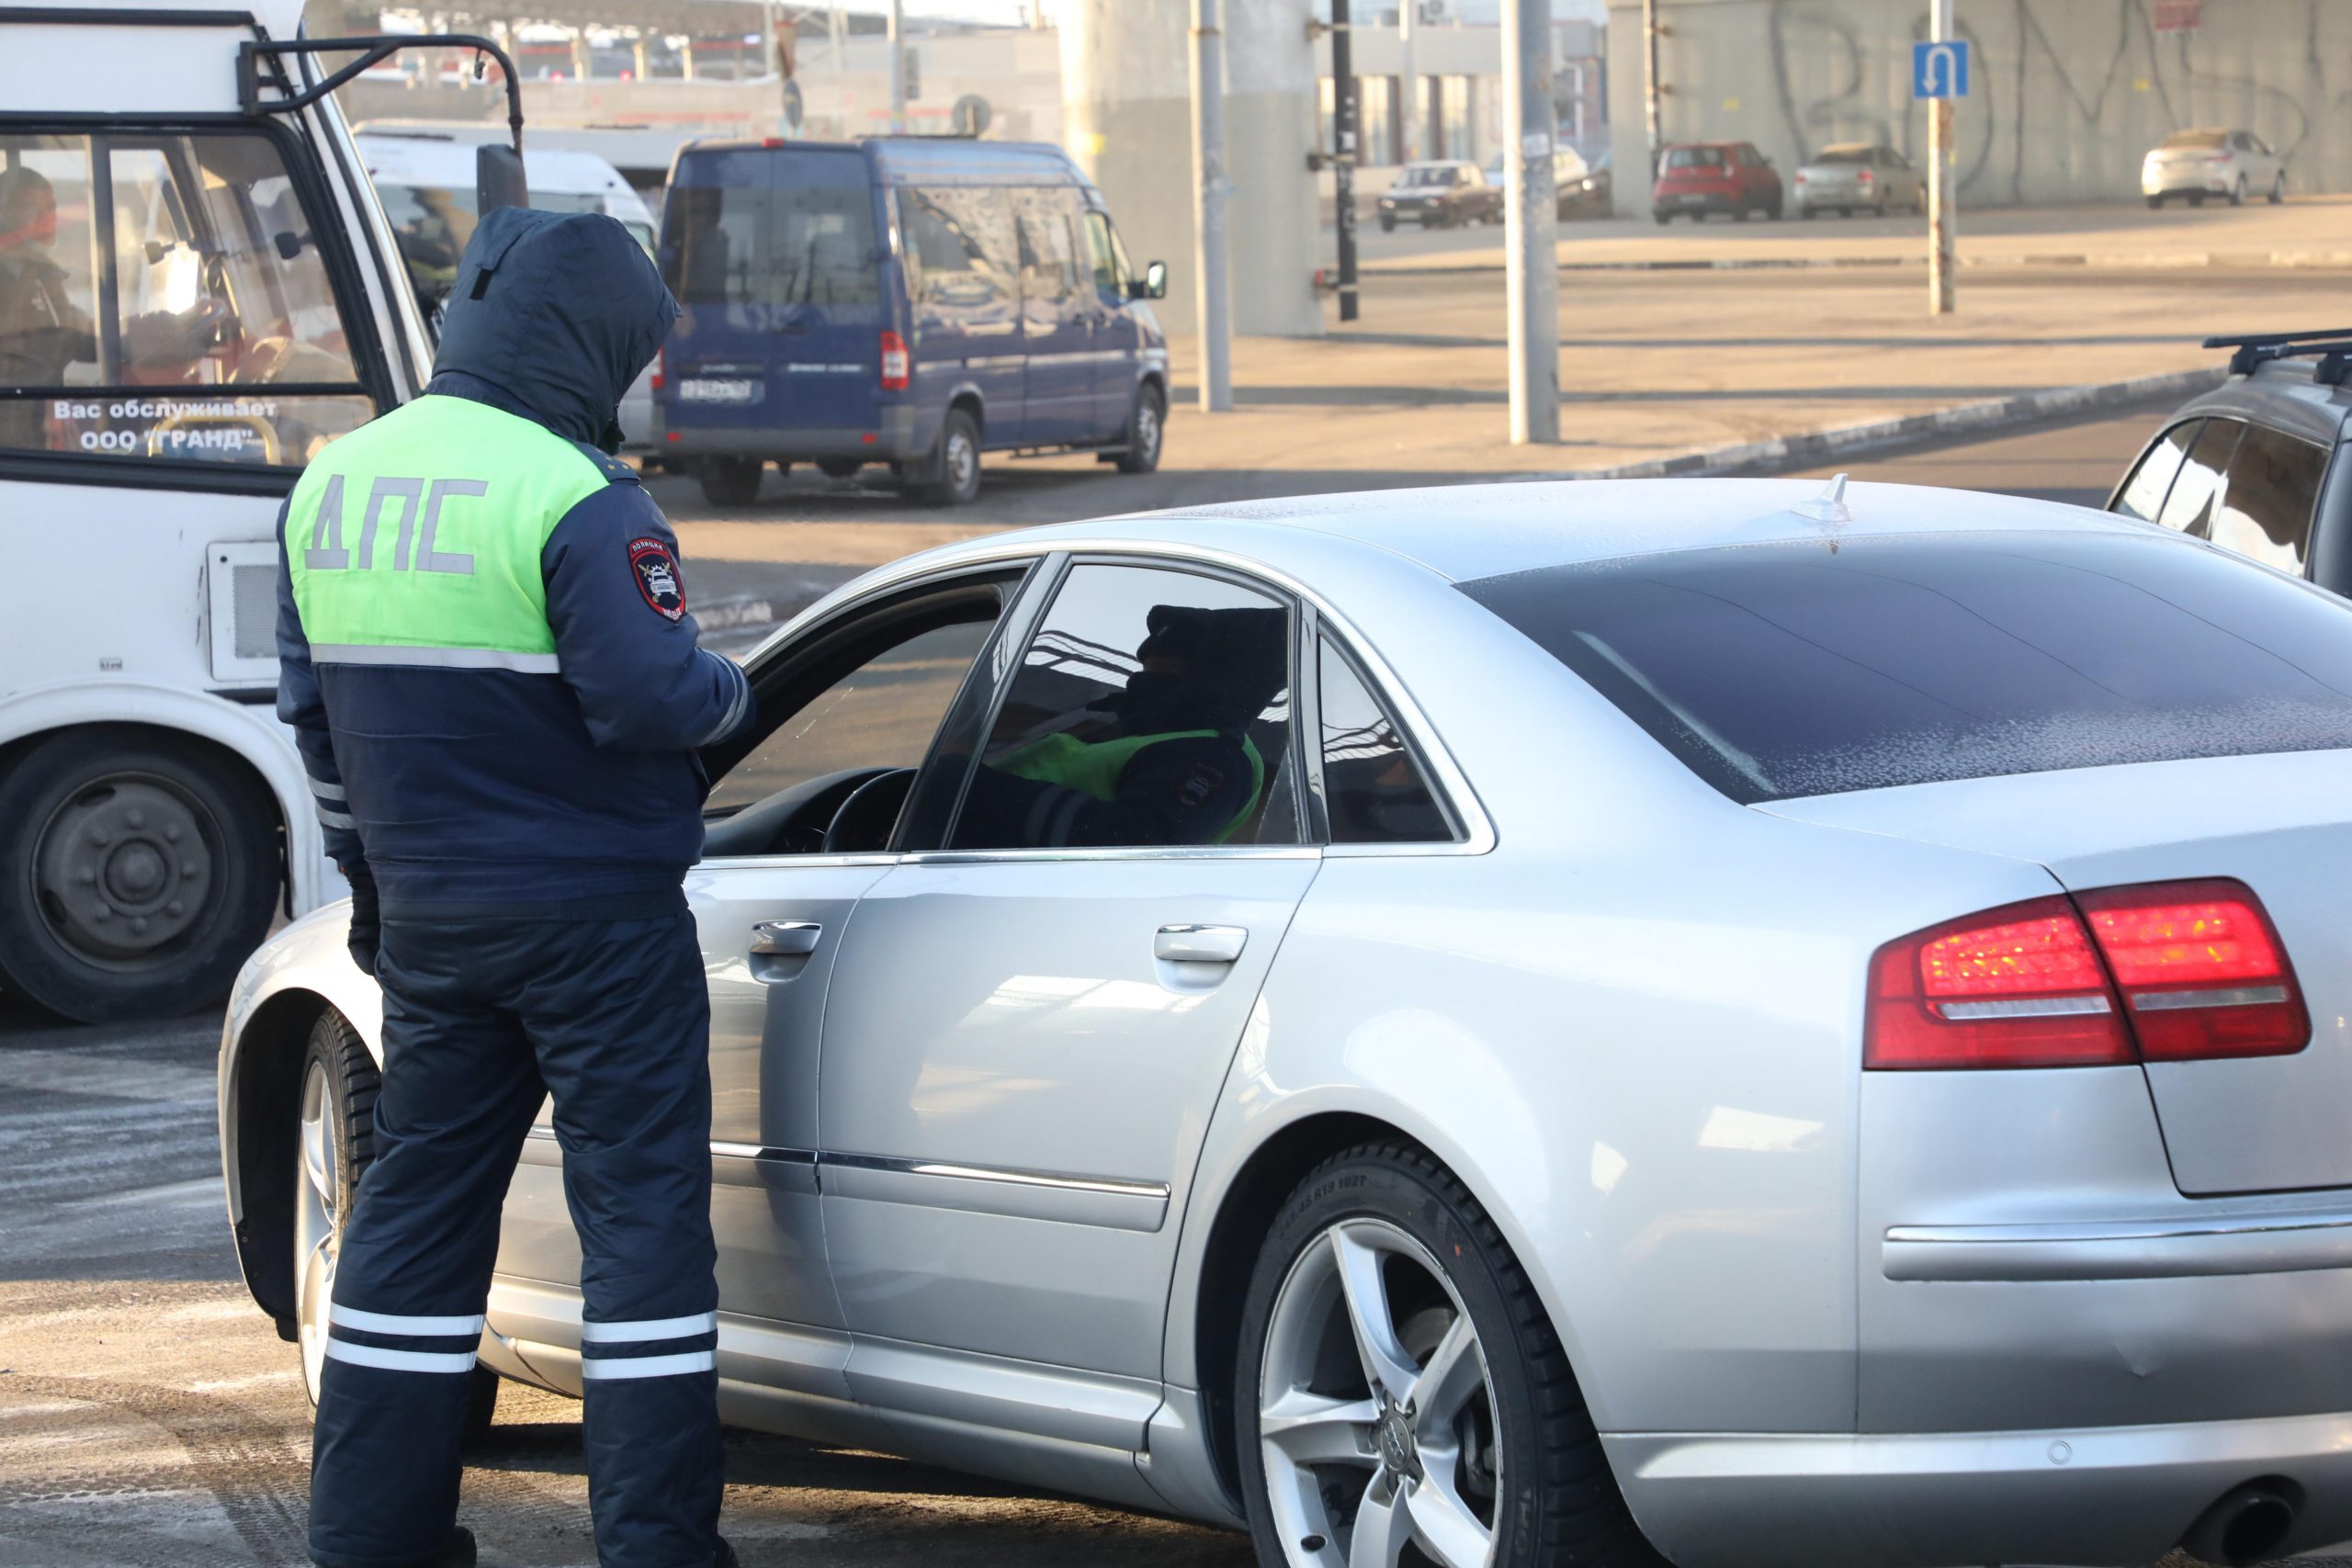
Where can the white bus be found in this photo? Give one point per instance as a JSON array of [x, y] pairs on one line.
[[197, 292]]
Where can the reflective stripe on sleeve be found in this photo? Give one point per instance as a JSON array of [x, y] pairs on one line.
[[735, 707], [327, 791], [334, 818], [341, 1316], [649, 1328], [435, 658], [400, 1360], [609, 1368]]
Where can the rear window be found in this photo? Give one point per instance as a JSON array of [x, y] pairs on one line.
[[759, 228], [1775, 670], [1843, 155], [1695, 158], [2195, 138]]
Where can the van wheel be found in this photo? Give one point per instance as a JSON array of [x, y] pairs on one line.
[[730, 481], [335, 1139], [1147, 429], [137, 873], [1400, 1395], [954, 470]]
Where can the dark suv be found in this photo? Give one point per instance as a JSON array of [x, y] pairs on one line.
[[2254, 464]]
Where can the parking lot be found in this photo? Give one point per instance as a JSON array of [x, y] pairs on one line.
[[149, 1416]]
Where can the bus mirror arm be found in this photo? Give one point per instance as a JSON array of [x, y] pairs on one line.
[[376, 48]]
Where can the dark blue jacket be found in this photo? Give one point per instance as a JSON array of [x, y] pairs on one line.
[[464, 782]]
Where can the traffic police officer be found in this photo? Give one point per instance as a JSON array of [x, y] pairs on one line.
[[487, 657]]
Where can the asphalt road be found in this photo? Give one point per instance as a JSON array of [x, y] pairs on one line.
[[150, 1416]]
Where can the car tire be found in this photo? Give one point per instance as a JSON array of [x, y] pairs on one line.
[[1388, 225], [334, 1143], [839, 467], [1879, 211], [729, 481], [2279, 187], [2237, 192], [138, 872], [1805, 212], [953, 476], [1147, 430], [1739, 214], [1386, 1216], [1662, 218]]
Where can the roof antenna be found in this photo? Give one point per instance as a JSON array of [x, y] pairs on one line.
[[1829, 506]]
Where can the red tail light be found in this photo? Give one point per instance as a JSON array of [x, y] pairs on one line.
[[2172, 972], [896, 363], [1865, 177]]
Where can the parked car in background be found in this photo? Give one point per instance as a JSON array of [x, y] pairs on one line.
[[2256, 465], [1698, 178], [1700, 1017], [1570, 176], [913, 301], [1856, 177], [1441, 194], [2199, 164], [426, 184], [1594, 193]]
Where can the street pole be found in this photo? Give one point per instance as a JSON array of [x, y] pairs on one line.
[[1649, 82], [1406, 83], [833, 34], [1343, 160], [1212, 312], [1533, 279], [1942, 209], [898, 68]]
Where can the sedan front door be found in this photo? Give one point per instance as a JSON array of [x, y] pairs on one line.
[[1028, 1026]]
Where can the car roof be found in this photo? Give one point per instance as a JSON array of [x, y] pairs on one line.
[[2281, 394], [1465, 532]]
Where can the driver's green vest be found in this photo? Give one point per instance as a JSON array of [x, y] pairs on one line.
[[1093, 767]]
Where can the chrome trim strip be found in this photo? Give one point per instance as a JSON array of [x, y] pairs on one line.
[[2025, 1007], [762, 1152], [2218, 997], [2121, 1250], [1156, 1190], [1172, 851]]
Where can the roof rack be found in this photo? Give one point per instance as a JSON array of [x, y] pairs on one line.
[[2259, 348]]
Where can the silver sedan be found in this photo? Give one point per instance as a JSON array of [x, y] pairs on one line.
[[1856, 176], [1510, 1025], [2233, 164]]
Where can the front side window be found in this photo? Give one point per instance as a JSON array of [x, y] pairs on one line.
[[2189, 505], [2143, 495], [1111, 272], [1152, 708], [1374, 791], [2267, 498], [1818, 667], [163, 297]]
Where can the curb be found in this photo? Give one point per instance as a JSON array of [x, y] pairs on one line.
[[1994, 413], [2187, 261]]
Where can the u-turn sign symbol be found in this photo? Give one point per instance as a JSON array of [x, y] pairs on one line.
[[1940, 70]]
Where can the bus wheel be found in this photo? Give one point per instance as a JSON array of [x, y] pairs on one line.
[[140, 872], [1147, 424], [730, 481], [955, 469]]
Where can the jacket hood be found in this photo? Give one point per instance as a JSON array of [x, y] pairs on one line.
[[560, 312]]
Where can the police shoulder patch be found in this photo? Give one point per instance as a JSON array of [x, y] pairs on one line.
[[655, 565]]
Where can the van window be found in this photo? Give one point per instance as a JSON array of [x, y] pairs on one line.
[[1111, 271], [163, 297], [959, 246], [2266, 499], [754, 227], [1047, 217]]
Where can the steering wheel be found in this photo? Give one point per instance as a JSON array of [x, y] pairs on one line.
[[865, 819]]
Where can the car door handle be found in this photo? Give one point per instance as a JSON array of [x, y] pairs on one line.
[[1199, 944], [785, 939]]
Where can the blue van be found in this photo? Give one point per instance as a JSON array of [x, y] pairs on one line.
[[906, 301]]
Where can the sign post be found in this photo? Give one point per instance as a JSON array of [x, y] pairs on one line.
[[1940, 74]]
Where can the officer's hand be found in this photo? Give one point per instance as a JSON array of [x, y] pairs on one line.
[[367, 929]]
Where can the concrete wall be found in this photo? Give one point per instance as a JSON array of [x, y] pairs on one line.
[[1127, 116], [2067, 95]]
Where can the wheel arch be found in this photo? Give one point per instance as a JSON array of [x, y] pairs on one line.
[[967, 396], [261, 1089]]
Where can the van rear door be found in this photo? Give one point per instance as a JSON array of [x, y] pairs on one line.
[[774, 259]]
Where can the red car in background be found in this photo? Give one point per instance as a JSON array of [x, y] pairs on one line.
[[1698, 177]]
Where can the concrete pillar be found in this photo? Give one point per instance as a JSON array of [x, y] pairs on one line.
[[1126, 109]]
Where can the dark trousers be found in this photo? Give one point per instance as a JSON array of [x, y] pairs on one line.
[[481, 1020]]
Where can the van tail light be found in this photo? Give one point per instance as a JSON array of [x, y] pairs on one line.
[[2201, 970], [896, 363], [2167, 972]]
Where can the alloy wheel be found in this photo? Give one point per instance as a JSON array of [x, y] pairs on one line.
[[1377, 1409], [961, 461], [1147, 429], [318, 1229]]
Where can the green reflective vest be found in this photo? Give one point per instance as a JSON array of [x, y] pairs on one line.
[[1093, 767], [416, 538]]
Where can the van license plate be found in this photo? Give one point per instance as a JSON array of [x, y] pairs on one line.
[[715, 389]]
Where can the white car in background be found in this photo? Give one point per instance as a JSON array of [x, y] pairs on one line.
[[1766, 1027], [426, 184], [2198, 163]]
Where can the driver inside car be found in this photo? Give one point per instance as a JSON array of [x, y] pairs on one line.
[[1167, 760]]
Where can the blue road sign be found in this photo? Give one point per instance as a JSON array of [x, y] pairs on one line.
[[1940, 70]]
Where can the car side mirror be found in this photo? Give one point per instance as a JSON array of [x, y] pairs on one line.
[[498, 179], [1153, 284]]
